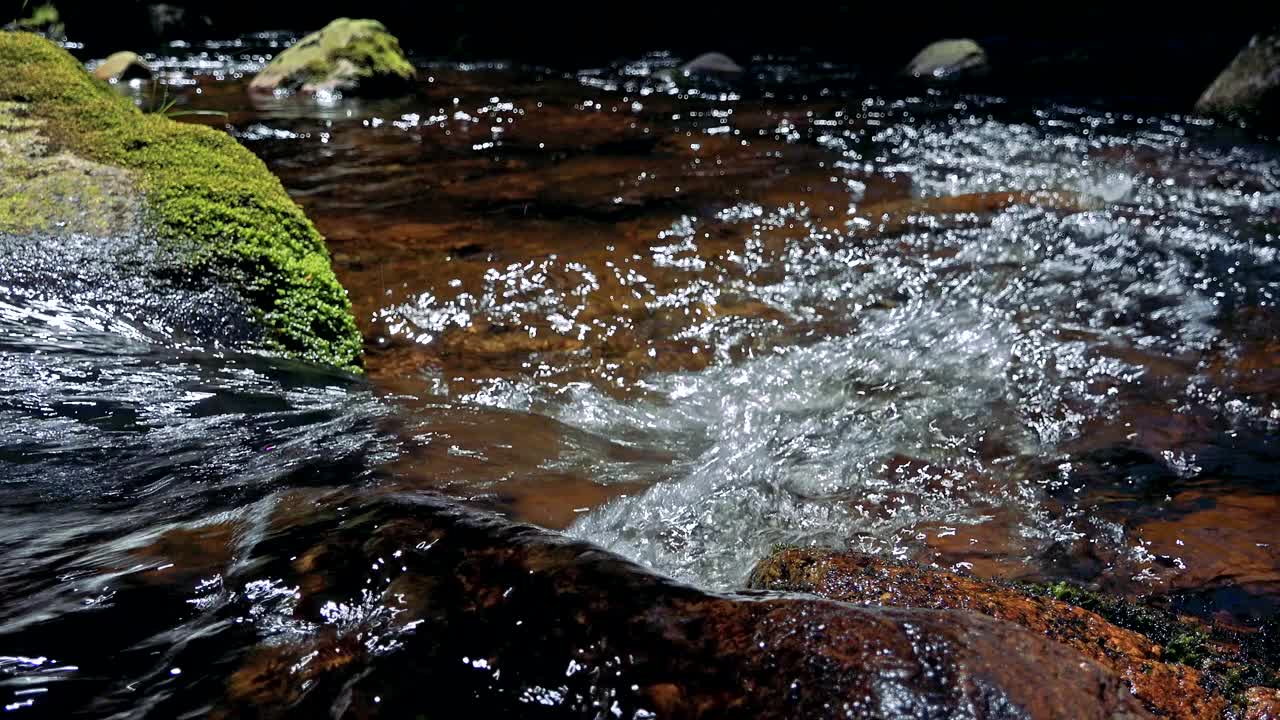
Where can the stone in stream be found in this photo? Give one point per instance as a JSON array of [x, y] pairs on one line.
[[448, 607], [1249, 88], [712, 67], [1172, 664], [349, 56], [948, 59], [1262, 703], [712, 62], [122, 66], [179, 223]]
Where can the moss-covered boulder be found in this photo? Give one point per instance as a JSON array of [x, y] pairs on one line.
[[123, 65], [947, 60], [1249, 88], [349, 56], [77, 158]]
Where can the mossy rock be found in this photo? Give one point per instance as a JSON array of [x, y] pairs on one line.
[[1249, 88], [200, 192], [948, 59], [42, 189], [350, 56]]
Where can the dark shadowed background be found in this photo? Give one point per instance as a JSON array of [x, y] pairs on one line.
[[1156, 51]]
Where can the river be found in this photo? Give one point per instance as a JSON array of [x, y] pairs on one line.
[[683, 321]]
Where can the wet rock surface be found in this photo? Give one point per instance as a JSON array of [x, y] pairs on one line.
[[1167, 678], [123, 65], [511, 619], [1263, 704], [392, 604]]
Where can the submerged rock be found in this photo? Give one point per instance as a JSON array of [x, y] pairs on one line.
[[1163, 663], [512, 620], [80, 159], [1249, 88], [350, 56], [120, 66], [948, 59]]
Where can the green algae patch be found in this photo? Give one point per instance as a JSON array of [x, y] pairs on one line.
[[43, 17], [1231, 661], [349, 55], [1183, 642], [200, 188]]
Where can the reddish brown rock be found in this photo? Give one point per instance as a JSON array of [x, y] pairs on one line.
[[1262, 703], [507, 620], [1167, 689]]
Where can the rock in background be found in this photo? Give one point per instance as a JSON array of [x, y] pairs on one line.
[[349, 56], [1249, 88], [123, 65], [947, 60], [712, 62]]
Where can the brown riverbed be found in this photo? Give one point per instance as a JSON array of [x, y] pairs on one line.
[[687, 323], [513, 236]]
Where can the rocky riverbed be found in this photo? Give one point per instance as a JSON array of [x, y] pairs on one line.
[[745, 388]]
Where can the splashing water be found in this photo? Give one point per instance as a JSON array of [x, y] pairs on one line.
[[686, 320], [968, 356]]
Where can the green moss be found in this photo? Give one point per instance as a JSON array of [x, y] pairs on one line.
[[360, 53], [201, 186], [1189, 647], [1183, 642], [43, 16], [1230, 662], [42, 192], [1237, 679]]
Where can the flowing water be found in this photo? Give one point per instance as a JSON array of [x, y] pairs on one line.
[[683, 320]]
